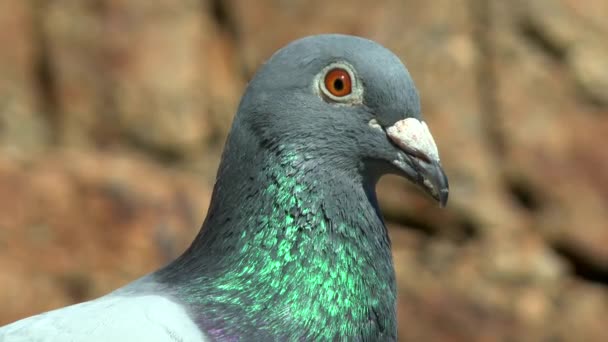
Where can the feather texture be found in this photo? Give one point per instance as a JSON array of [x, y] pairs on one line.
[[112, 318]]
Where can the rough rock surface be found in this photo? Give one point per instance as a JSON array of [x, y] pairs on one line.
[[515, 92], [75, 225], [21, 125]]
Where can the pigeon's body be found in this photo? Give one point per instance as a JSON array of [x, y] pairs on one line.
[[294, 246], [114, 317]]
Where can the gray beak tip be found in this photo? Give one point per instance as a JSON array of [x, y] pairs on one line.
[[443, 197], [439, 186]]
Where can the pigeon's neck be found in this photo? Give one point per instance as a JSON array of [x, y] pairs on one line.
[[291, 249]]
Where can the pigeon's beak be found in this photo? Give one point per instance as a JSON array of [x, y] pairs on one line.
[[418, 157]]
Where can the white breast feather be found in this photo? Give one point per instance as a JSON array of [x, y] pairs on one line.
[[112, 318]]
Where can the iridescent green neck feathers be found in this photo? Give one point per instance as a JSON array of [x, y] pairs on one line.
[[309, 258]]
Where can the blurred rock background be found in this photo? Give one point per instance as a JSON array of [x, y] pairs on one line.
[[113, 114]]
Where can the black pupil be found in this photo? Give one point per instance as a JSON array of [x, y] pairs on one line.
[[338, 84]]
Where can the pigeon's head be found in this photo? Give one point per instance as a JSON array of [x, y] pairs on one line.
[[346, 103]]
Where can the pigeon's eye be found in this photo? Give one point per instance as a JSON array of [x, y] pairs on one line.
[[338, 82]]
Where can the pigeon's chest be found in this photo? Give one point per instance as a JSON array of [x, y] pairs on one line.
[[327, 311], [375, 328]]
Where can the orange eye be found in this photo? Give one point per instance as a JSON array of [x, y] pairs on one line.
[[338, 82]]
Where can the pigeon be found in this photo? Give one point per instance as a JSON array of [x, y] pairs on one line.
[[294, 246]]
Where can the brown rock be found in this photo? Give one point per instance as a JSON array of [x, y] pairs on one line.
[[553, 143], [450, 292], [574, 31], [581, 314], [269, 24], [22, 127], [138, 72], [589, 65], [75, 226]]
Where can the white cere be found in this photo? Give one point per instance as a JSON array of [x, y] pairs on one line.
[[414, 134]]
